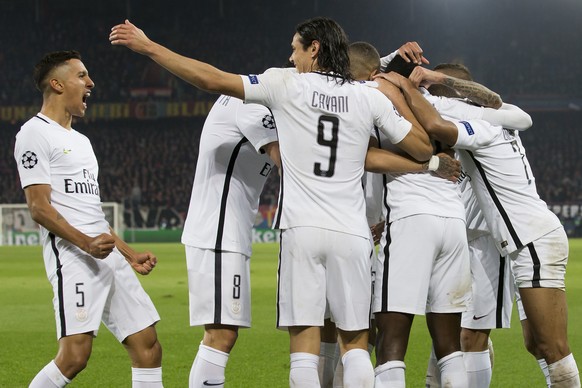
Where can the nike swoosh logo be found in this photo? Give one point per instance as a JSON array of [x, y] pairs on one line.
[[477, 318], [212, 384]]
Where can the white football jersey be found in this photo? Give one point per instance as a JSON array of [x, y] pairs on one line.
[[324, 129], [424, 193], [47, 153], [420, 193], [508, 116], [230, 175], [374, 193], [460, 109], [501, 177], [476, 223]]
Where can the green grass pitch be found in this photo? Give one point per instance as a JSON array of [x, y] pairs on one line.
[[260, 358]]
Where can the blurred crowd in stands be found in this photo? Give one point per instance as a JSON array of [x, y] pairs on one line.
[[149, 164], [519, 56]]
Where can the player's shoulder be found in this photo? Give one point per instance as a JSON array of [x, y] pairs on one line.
[[35, 126], [282, 72], [370, 90]]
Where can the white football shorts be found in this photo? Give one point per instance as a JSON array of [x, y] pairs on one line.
[[219, 287], [423, 266], [88, 291], [318, 266], [542, 263], [493, 287]]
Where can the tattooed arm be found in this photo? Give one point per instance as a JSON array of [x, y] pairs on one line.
[[449, 86], [44, 213]]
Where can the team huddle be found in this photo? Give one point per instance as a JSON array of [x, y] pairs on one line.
[[425, 163]]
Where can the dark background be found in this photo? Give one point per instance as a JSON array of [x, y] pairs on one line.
[[528, 51]]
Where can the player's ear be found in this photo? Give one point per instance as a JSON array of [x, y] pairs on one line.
[[314, 48], [56, 85]]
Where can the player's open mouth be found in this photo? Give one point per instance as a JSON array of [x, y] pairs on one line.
[[85, 97]]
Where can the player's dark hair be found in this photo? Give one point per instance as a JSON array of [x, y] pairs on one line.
[[49, 62], [364, 59], [333, 45]]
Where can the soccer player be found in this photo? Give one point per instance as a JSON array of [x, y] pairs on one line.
[[364, 64], [323, 122], [431, 278], [492, 279], [87, 264], [233, 165], [523, 228]]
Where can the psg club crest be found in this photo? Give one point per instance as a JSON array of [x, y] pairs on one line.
[[29, 160], [269, 122]]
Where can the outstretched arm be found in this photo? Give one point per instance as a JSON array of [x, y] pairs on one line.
[[200, 74], [471, 90], [44, 213], [508, 116]]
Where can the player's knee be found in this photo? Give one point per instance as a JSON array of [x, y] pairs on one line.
[[551, 351], [474, 341], [149, 356], [221, 339], [72, 364], [532, 347]]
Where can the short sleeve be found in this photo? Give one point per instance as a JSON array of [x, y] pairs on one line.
[[266, 88], [32, 155], [475, 134], [257, 124]]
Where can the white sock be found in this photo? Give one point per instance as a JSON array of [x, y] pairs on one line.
[[338, 378], [303, 370], [358, 369], [433, 375], [545, 371], [564, 373], [478, 366], [208, 366], [328, 361], [50, 376], [453, 372], [390, 374], [146, 377]]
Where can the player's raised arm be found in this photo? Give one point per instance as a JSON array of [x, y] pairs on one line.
[[416, 143], [200, 74], [471, 90], [438, 128]]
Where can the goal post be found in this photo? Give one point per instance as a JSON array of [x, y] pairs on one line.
[[18, 228]]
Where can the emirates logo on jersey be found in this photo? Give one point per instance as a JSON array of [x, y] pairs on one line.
[[268, 122], [29, 160]]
